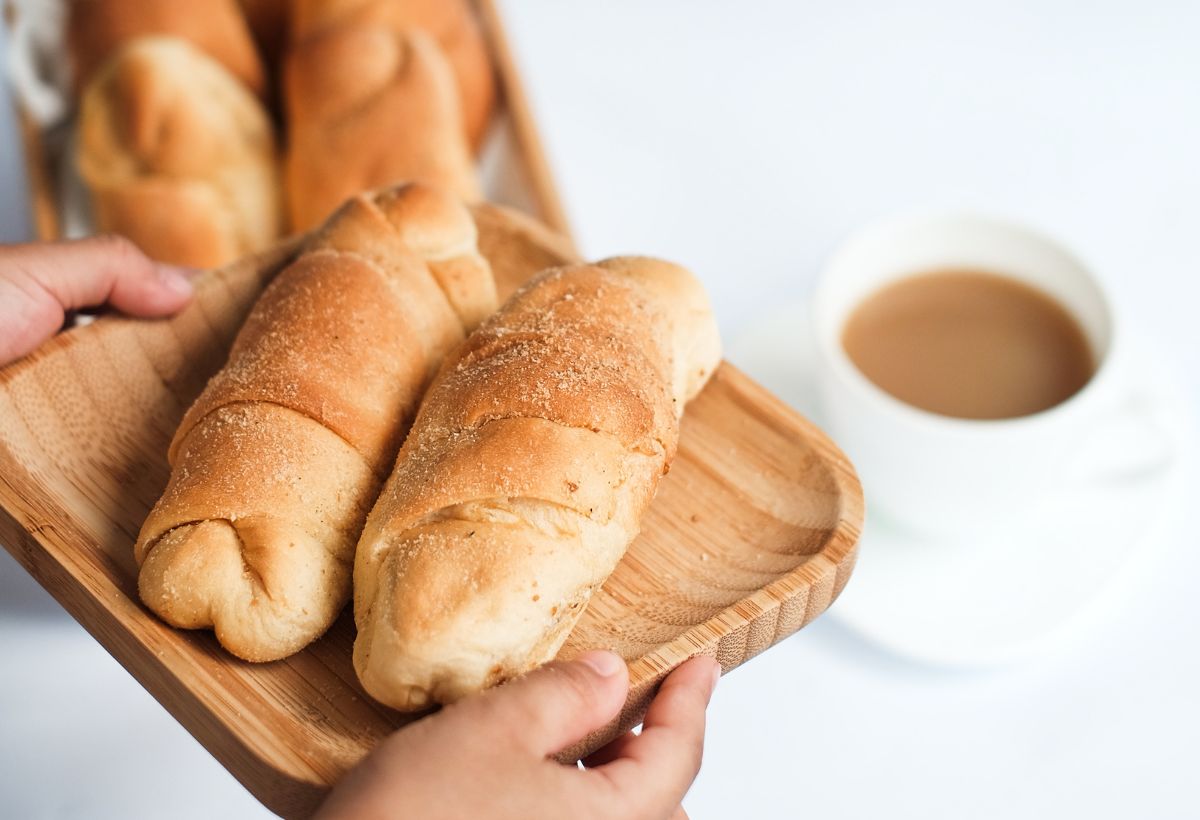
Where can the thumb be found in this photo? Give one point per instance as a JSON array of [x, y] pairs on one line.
[[555, 706], [39, 283], [104, 269]]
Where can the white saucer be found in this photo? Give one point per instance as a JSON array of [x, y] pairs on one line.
[[1008, 594]]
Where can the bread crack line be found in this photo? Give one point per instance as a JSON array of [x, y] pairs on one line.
[[378, 473], [440, 514], [373, 263], [250, 570]]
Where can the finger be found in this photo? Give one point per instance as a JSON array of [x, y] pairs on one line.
[[104, 269], [656, 767], [679, 814], [610, 752], [28, 316], [552, 707]]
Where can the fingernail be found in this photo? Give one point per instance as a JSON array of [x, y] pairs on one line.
[[716, 675], [603, 663], [176, 278]]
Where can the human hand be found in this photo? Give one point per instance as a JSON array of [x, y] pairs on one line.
[[489, 756], [41, 281]]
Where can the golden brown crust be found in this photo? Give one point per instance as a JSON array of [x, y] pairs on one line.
[[452, 24], [518, 246], [585, 350], [367, 107], [277, 462], [537, 449], [254, 534], [178, 155], [97, 29]]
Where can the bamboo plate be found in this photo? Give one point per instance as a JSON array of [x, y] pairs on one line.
[[752, 535]]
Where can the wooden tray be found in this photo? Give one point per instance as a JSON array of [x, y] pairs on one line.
[[752, 534]]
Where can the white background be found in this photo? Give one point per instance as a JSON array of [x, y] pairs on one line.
[[745, 140]]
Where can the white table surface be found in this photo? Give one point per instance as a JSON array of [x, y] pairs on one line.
[[744, 140]]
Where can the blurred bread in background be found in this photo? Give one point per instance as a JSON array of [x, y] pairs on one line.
[[268, 21], [451, 22], [366, 106], [179, 156], [365, 94], [96, 29]]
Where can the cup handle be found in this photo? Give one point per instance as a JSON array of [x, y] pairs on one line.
[[1140, 441]]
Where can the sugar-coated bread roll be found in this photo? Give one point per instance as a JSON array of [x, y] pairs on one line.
[[178, 155], [524, 479], [366, 107], [451, 22], [97, 29], [277, 463]]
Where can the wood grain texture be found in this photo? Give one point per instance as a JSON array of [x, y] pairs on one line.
[[752, 534]]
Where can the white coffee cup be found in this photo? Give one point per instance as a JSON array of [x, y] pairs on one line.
[[935, 473]]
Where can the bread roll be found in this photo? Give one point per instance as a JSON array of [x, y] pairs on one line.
[[451, 22], [97, 29], [535, 453], [278, 461], [178, 155], [367, 107]]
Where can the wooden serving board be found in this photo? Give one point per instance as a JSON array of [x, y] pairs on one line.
[[752, 535]]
